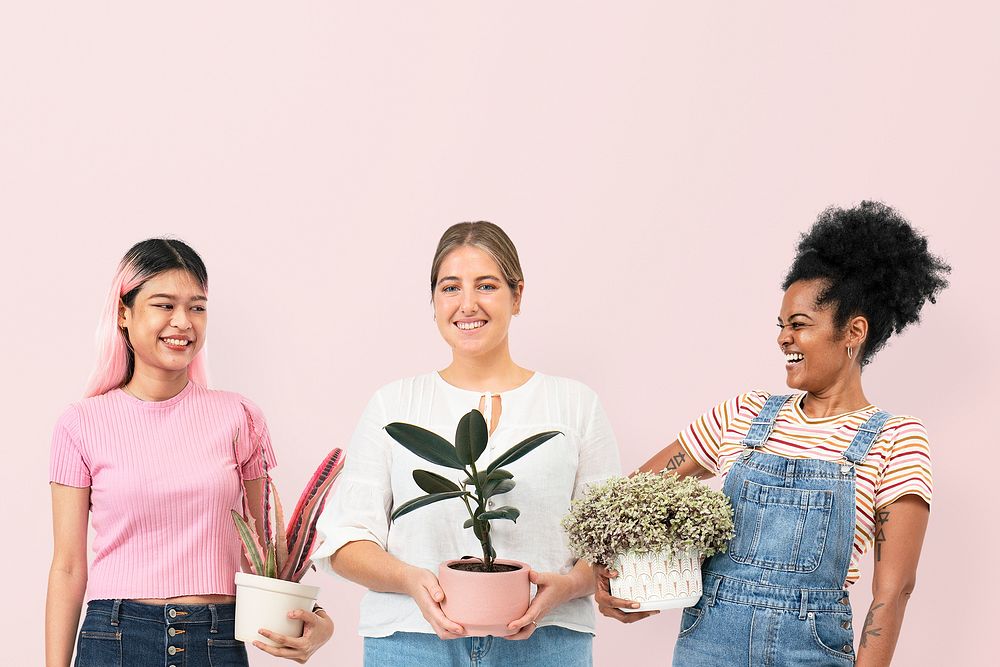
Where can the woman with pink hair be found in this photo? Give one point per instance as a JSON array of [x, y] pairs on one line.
[[155, 461]]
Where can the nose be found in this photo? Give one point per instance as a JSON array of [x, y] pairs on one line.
[[784, 335], [469, 304], [179, 319]]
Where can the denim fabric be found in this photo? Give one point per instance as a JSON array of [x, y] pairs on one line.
[[551, 646], [119, 633], [776, 598]]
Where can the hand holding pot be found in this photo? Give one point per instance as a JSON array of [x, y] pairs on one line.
[[553, 590], [611, 606], [423, 587], [317, 628]]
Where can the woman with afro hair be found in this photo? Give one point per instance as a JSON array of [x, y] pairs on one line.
[[819, 477]]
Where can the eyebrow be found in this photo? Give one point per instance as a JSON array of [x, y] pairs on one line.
[[795, 315], [174, 298], [441, 280]]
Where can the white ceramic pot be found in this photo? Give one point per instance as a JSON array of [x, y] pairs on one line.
[[666, 579], [262, 602]]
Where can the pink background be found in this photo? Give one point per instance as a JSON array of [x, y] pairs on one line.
[[653, 163]]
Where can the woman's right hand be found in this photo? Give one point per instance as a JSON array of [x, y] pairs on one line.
[[423, 587], [611, 606]]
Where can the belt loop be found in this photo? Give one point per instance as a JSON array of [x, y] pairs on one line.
[[713, 591], [215, 619], [804, 605], [115, 608]]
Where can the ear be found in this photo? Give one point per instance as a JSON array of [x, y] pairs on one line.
[[123, 315], [518, 294], [857, 332]]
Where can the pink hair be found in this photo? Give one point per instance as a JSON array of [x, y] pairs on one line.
[[112, 369]]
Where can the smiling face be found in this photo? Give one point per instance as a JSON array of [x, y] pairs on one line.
[[815, 349], [473, 304], [166, 323]]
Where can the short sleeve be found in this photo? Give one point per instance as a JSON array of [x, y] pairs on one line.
[[907, 469], [359, 508], [702, 438], [67, 463], [254, 443], [599, 457]]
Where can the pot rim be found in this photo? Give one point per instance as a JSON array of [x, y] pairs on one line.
[[294, 588], [502, 561]]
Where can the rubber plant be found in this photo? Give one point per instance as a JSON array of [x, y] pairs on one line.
[[284, 551], [477, 486]]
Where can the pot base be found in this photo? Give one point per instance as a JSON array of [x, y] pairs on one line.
[[675, 603]]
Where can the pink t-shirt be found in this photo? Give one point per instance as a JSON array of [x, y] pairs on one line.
[[163, 477]]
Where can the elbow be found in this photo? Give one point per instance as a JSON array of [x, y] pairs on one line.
[[899, 589]]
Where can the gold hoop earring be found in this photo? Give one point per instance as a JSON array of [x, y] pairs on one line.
[[850, 353]]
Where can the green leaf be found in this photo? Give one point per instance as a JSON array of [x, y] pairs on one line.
[[250, 545], [427, 445], [271, 564], [468, 523], [500, 474], [430, 482], [496, 487], [471, 437], [505, 512], [419, 502], [522, 448]]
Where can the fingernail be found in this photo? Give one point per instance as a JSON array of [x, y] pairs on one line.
[[634, 605]]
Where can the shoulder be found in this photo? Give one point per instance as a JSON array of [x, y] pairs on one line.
[[228, 400], [905, 429]]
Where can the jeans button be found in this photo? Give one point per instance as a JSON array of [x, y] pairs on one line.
[[846, 625], [172, 650], [172, 613], [848, 648], [171, 632]]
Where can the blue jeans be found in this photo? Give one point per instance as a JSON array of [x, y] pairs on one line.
[[551, 646], [119, 633]]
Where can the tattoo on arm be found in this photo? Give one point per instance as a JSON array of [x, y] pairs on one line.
[[675, 462], [869, 631], [882, 518]]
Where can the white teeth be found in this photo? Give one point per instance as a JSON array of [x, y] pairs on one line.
[[470, 325], [176, 341], [792, 357]]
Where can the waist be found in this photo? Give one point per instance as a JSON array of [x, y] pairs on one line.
[[741, 591], [165, 613], [188, 600]]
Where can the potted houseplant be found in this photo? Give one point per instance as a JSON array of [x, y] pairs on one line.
[[482, 594], [277, 557], [653, 529]]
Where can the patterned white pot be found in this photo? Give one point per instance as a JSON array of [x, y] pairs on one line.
[[660, 580]]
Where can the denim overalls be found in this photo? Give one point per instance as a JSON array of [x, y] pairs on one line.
[[777, 597]]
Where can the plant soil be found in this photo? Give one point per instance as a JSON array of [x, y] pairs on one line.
[[478, 567]]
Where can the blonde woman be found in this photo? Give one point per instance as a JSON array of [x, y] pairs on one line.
[[477, 288]]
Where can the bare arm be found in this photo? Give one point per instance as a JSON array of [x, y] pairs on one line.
[[368, 564], [673, 458], [68, 573], [899, 536]]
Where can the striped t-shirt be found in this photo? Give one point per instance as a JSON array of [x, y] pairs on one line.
[[898, 463]]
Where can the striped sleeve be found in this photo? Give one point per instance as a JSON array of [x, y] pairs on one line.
[[908, 465], [67, 465], [703, 437]]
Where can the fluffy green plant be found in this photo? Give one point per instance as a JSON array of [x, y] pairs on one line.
[[478, 486], [648, 512]]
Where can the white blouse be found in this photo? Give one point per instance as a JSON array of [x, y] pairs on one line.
[[378, 471]]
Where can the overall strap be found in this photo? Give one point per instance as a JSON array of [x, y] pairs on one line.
[[865, 437], [762, 425]]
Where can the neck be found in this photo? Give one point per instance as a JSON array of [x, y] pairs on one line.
[[844, 395], [493, 372], [149, 384]]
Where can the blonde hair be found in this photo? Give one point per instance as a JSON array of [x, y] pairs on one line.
[[487, 237]]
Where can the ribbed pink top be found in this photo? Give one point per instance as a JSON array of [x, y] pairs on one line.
[[163, 477]]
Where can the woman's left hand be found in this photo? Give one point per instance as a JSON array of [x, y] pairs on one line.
[[317, 629], [553, 590]]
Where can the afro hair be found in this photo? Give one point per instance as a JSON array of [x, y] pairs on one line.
[[874, 264]]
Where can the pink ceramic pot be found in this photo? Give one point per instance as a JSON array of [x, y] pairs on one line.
[[485, 602]]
